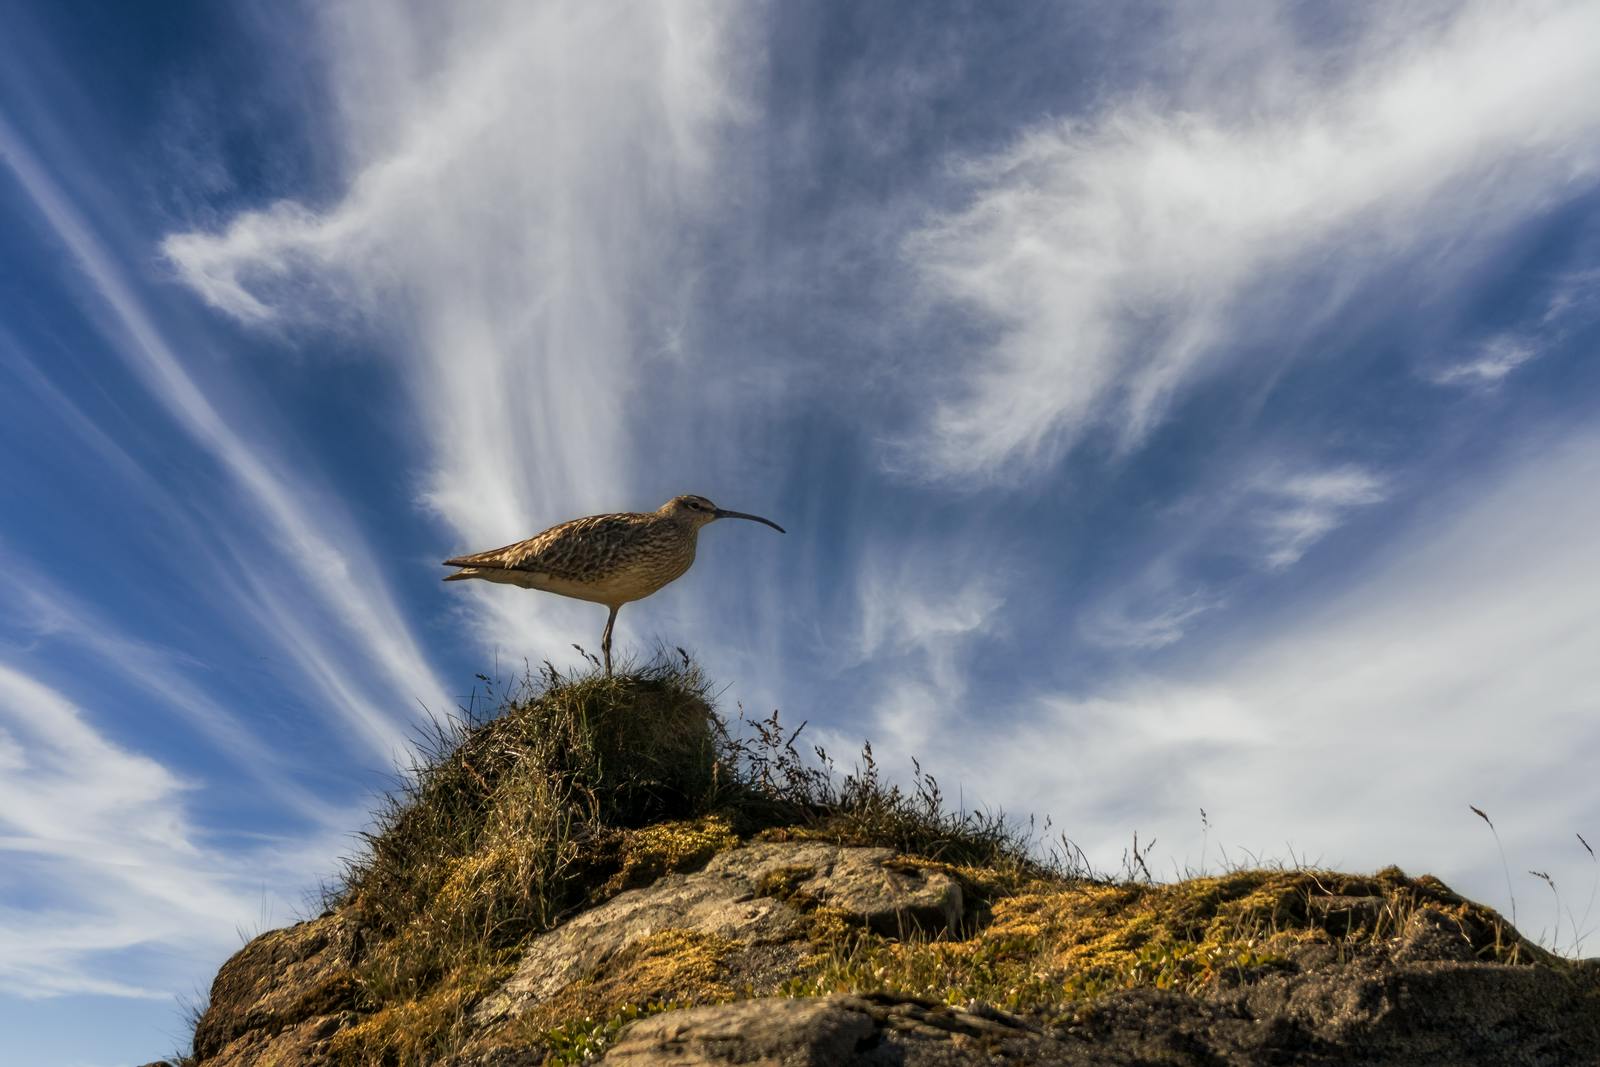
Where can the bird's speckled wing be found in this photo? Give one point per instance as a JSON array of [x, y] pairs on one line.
[[579, 550]]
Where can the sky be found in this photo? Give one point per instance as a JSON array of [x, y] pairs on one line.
[[1184, 419]]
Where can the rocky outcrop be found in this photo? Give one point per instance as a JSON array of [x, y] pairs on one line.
[[757, 897], [1317, 969], [603, 870], [284, 997], [1379, 1011], [829, 1031], [1400, 1016], [281, 997]]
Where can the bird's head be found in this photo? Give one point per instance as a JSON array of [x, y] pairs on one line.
[[697, 511]]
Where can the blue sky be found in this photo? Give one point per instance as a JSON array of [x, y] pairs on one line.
[[1188, 407]]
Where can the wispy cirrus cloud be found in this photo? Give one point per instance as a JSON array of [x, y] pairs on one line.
[[103, 857], [322, 549], [1456, 669], [1570, 306], [1121, 259], [1156, 613], [518, 241], [916, 603], [1495, 359], [1298, 510], [1261, 521], [42, 611], [922, 612]]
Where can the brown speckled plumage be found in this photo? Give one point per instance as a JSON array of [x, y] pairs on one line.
[[607, 559]]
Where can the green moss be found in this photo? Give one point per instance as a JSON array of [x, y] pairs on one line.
[[670, 969], [417, 1029], [783, 883], [1055, 945], [649, 852]]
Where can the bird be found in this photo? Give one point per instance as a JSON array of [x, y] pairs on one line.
[[605, 559]]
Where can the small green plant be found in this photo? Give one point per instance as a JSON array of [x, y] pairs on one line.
[[584, 1040]]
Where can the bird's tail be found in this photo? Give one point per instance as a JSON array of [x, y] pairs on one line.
[[463, 574]]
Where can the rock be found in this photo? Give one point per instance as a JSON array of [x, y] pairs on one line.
[[1374, 971], [1465, 1014], [828, 1032], [871, 885], [756, 896], [1370, 1012], [281, 996], [1431, 935], [758, 1033]]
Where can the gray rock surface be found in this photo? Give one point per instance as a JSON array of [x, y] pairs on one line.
[[832, 1032], [757, 895], [809, 1032], [1371, 1014], [281, 997]]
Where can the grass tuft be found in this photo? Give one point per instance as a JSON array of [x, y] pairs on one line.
[[503, 825], [578, 787]]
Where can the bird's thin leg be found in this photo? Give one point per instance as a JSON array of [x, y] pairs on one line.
[[605, 639]]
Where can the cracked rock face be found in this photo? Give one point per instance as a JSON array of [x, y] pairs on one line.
[[1422, 1000], [790, 1033], [745, 923], [1473, 1015], [828, 1032], [1357, 1015], [757, 896]]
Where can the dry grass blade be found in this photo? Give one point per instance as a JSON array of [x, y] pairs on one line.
[[1505, 867]]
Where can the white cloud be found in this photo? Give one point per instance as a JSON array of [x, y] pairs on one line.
[[1269, 516], [516, 235], [1457, 668], [1495, 359], [1571, 305], [1301, 509], [1151, 618], [102, 834], [1120, 260], [1574, 300], [324, 550], [915, 603], [39, 608], [922, 613]]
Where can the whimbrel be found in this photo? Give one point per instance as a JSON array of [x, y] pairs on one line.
[[607, 559]]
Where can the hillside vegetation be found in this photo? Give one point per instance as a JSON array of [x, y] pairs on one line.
[[578, 860]]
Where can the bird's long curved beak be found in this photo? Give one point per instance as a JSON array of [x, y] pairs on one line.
[[723, 513]]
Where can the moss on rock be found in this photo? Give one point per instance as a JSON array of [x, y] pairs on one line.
[[1053, 945]]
